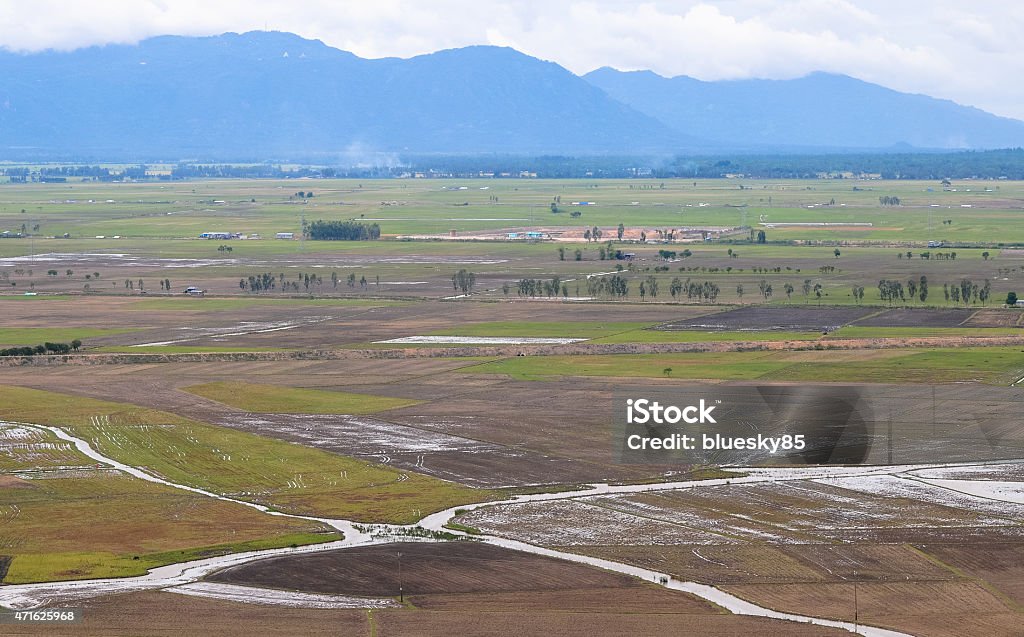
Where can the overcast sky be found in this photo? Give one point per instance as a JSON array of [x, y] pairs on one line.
[[967, 52]]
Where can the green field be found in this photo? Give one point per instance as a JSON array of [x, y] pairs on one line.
[[62, 518], [295, 400], [116, 526], [285, 476], [994, 365], [36, 335], [854, 331], [185, 209]]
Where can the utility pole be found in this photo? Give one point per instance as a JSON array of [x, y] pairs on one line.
[[856, 607], [401, 591]]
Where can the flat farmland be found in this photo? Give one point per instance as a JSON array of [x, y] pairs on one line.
[[930, 609], [760, 563], [180, 209], [798, 512], [288, 395], [292, 478], [611, 611], [499, 591], [427, 569], [160, 613], [62, 517], [923, 563], [999, 565], [921, 318], [994, 365], [784, 319]]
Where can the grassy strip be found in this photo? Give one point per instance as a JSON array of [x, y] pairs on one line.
[[993, 365], [71, 565], [855, 331], [455, 526], [726, 365], [33, 335], [295, 400]]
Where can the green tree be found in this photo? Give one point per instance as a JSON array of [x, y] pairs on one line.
[[464, 280], [652, 286]]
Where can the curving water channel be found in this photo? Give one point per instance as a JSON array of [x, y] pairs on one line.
[[23, 596]]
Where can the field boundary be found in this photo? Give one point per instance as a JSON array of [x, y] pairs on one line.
[[575, 349]]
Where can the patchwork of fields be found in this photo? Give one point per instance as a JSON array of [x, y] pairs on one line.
[[357, 381]]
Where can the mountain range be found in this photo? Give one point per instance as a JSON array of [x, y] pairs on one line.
[[272, 95]]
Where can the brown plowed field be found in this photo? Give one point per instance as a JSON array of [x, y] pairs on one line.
[[427, 568], [158, 613], [924, 609]]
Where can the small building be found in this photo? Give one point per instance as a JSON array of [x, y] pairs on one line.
[[215, 235], [1020, 303], [284, 235]]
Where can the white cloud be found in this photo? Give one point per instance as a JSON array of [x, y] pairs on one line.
[[942, 47]]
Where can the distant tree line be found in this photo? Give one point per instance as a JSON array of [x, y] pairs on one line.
[[990, 164], [1008, 163], [536, 287], [342, 231], [45, 348]]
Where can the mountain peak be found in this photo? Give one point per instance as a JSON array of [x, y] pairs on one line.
[[274, 95], [821, 109]]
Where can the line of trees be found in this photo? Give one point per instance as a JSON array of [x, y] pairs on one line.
[[536, 287], [967, 291], [307, 282], [939, 256], [615, 285], [45, 348], [463, 281], [707, 290], [321, 230], [892, 290]]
